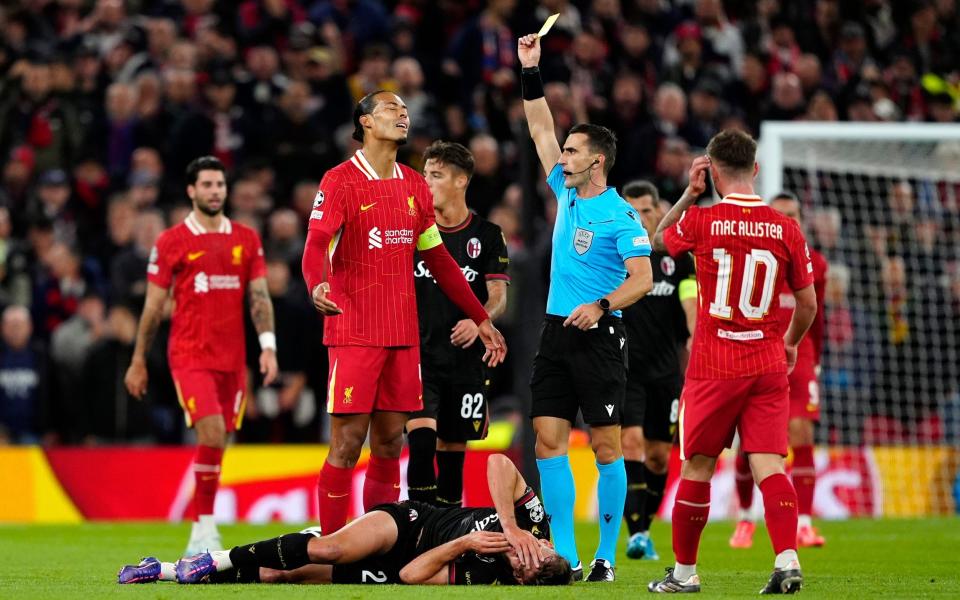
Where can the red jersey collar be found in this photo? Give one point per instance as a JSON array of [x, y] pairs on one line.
[[360, 161]]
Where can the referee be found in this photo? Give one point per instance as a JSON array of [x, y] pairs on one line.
[[580, 366], [663, 319]]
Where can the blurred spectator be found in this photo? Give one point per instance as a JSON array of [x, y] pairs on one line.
[[373, 73], [684, 61], [303, 144], [69, 278], [23, 379], [851, 58], [248, 199], [787, 102], [51, 202], [15, 282], [128, 270], [70, 345], [483, 53], [262, 83], [673, 163], [489, 180], [822, 37], [268, 22], [285, 237]]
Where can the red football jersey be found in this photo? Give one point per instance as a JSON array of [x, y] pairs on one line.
[[209, 271], [812, 344], [375, 224], [744, 251]]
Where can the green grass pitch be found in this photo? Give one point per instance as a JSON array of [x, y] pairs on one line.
[[863, 559]]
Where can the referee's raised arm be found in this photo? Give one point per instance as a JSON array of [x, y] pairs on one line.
[[539, 119]]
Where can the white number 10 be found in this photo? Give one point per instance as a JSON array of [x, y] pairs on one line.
[[720, 306]]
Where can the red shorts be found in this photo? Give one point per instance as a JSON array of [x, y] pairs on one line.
[[203, 393], [804, 392], [711, 410], [364, 379]]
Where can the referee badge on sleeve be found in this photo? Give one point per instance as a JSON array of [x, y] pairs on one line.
[[582, 240]]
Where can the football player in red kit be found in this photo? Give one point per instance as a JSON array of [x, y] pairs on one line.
[[369, 216], [746, 252], [210, 262]]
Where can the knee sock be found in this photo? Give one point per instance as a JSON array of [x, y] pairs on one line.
[[633, 508], [334, 489], [382, 484], [421, 476], [780, 512], [744, 479], [690, 512], [559, 493], [611, 493], [654, 496], [804, 476], [450, 478], [206, 475], [235, 575], [286, 552]]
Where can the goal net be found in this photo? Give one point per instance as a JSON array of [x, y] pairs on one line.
[[882, 204]]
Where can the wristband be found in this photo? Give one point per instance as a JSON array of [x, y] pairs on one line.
[[268, 341], [531, 85]]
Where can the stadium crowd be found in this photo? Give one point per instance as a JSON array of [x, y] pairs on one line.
[[104, 102]]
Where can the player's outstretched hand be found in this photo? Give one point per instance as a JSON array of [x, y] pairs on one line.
[[791, 357], [584, 316], [494, 343], [526, 545], [268, 366], [136, 378], [487, 542], [698, 177], [322, 303], [528, 50], [464, 333]]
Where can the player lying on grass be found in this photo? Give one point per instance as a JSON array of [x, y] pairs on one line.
[[403, 542]]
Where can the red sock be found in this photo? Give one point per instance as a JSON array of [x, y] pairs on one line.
[[744, 479], [334, 495], [780, 512], [206, 477], [804, 478], [690, 511], [382, 485]]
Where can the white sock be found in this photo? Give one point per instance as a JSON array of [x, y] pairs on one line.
[[683, 572], [743, 514], [804, 521], [168, 571], [221, 558], [205, 525], [785, 558]]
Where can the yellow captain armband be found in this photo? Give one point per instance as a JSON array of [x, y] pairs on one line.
[[688, 289], [429, 238]]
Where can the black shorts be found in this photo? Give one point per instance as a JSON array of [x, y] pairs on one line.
[[409, 516], [457, 400], [653, 405], [580, 370]]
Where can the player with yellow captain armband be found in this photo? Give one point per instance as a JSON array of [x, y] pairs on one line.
[[368, 216]]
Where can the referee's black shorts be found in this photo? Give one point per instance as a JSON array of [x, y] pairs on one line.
[[580, 370]]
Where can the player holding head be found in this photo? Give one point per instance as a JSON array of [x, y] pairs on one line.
[[599, 266], [746, 252], [455, 381], [209, 261], [804, 405], [663, 319], [401, 542], [369, 216]]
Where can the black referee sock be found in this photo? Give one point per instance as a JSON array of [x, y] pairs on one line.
[[636, 496], [284, 553], [654, 496], [421, 476], [450, 478]]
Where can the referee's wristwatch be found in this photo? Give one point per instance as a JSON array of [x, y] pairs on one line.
[[604, 305]]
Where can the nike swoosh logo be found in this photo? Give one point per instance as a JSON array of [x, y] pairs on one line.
[[195, 255], [330, 495], [366, 207]]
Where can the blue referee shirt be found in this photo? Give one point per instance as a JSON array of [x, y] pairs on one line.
[[591, 239]]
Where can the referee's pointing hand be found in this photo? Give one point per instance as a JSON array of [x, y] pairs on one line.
[[496, 346]]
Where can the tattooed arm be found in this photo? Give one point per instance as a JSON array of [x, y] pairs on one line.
[[261, 312]]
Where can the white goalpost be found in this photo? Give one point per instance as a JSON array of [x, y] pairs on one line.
[[882, 203]]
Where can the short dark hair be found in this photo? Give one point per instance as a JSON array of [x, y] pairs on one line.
[[364, 107], [452, 154], [203, 163], [734, 150], [641, 187], [786, 195], [601, 140], [554, 570]]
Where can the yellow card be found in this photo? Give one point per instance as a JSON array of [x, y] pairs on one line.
[[548, 24]]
